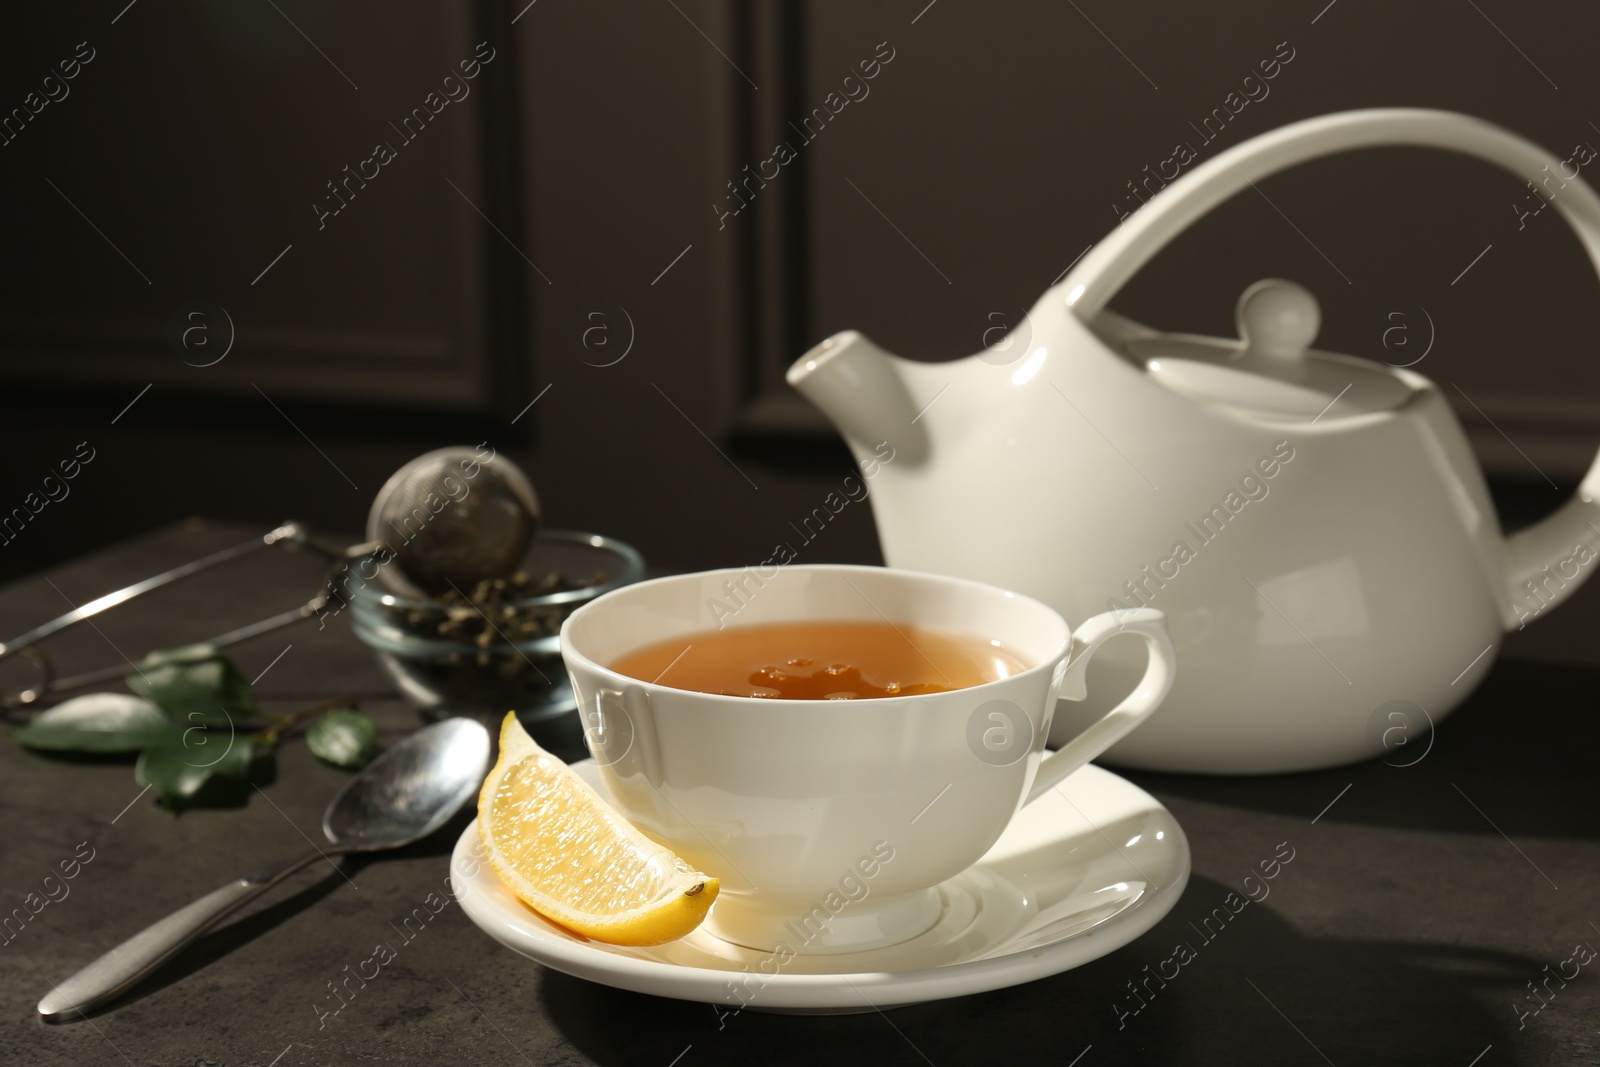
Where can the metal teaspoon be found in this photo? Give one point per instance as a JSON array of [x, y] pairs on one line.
[[402, 796]]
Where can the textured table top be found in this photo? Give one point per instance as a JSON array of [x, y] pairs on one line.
[[1422, 905]]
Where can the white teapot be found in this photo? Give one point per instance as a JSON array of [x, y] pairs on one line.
[[1314, 525]]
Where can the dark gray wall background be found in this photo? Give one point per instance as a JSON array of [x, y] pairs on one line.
[[595, 145]]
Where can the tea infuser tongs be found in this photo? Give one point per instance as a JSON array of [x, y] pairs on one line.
[[456, 516], [290, 535]]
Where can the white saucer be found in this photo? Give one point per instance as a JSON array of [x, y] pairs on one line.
[[1079, 873]]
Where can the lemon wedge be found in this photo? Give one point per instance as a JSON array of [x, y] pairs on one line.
[[572, 858]]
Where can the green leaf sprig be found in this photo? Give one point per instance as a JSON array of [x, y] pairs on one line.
[[193, 720]]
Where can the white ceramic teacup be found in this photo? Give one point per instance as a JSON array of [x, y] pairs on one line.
[[829, 822]]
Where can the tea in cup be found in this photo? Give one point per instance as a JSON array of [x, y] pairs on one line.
[[832, 741]]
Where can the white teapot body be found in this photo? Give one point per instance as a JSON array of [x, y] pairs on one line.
[[1331, 577]]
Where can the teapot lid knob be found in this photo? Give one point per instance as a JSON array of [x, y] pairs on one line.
[[1277, 318]]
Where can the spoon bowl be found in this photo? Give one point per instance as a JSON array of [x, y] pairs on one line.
[[412, 789]]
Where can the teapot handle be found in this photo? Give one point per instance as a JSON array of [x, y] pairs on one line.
[[1103, 271]]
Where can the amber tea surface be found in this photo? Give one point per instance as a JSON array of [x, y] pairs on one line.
[[821, 660]]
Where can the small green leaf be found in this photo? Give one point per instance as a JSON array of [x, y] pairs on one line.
[[183, 760], [345, 739], [97, 722], [194, 685]]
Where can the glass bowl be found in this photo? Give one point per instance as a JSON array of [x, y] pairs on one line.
[[453, 658]]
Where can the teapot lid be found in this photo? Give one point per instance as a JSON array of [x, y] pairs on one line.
[[1270, 371]]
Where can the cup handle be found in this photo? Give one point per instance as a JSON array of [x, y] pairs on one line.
[[1152, 689]]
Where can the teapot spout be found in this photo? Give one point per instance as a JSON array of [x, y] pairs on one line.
[[862, 389]]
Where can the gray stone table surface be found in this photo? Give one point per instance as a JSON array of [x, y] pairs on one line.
[[1421, 906]]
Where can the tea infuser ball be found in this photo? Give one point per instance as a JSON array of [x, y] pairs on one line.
[[453, 519]]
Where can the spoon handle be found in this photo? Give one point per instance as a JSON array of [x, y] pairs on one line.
[[117, 970]]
